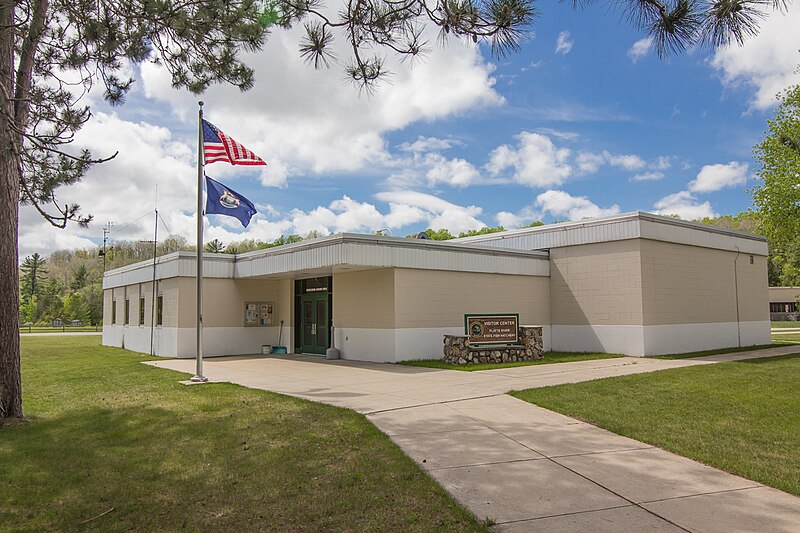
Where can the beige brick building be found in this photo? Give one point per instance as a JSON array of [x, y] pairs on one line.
[[637, 284]]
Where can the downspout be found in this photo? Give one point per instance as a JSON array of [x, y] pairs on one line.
[[736, 286]]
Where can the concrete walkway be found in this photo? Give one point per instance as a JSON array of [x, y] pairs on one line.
[[525, 467]]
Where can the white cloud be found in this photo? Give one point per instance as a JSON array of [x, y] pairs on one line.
[[515, 220], [312, 121], [715, 177], [428, 144], [563, 204], [456, 172], [662, 162], [123, 189], [347, 215], [685, 205], [589, 162], [536, 161], [639, 49], [436, 212], [766, 62], [563, 43], [274, 174], [38, 236], [648, 176], [559, 134], [625, 161]]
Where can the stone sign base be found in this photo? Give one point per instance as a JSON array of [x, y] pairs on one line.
[[458, 352]]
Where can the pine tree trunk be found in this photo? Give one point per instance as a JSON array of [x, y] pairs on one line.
[[10, 380]]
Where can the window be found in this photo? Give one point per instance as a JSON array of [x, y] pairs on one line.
[[127, 311], [782, 307], [160, 310], [113, 311], [141, 311]]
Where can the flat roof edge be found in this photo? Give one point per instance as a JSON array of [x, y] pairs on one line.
[[329, 240], [359, 238], [166, 258], [610, 219]]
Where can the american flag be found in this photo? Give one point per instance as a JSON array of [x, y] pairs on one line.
[[219, 147]]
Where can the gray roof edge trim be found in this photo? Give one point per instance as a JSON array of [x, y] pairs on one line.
[[658, 219], [395, 242], [111, 277], [633, 215], [167, 258]]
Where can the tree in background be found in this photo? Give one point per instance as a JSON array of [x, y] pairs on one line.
[[29, 311], [175, 243], [215, 246], [438, 235], [75, 308], [777, 196], [80, 278], [32, 273], [445, 235], [483, 231]]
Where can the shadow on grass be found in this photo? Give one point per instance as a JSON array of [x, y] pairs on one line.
[[773, 359], [220, 458]]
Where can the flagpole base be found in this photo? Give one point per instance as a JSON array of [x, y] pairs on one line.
[[199, 379]]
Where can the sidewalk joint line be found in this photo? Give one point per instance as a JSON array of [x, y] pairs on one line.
[[437, 432], [563, 514], [442, 402], [705, 493], [490, 463], [637, 504], [567, 455]]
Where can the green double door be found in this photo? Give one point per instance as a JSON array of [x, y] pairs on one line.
[[314, 322]]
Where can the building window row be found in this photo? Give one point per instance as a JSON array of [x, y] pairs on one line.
[[142, 307], [782, 307]]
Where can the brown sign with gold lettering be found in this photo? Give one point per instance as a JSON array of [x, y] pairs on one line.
[[492, 329]]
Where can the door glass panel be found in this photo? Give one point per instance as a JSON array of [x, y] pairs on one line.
[[322, 323], [308, 323]]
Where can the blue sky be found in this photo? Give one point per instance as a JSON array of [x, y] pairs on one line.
[[584, 121]]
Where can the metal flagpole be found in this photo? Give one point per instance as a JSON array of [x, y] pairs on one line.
[[153, 298], [199, 377]]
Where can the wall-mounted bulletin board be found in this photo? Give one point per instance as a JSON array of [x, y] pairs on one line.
[[258, 314]]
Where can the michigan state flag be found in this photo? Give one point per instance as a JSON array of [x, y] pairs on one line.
[[222, 200]]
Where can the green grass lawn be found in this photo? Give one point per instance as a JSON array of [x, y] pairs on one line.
[[777, 343], [114, 445], [742, 417], [58, 329], [549, 357], [788, 324], [782, 340]]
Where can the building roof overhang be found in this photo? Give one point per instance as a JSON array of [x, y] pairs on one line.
[[337, 253]]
